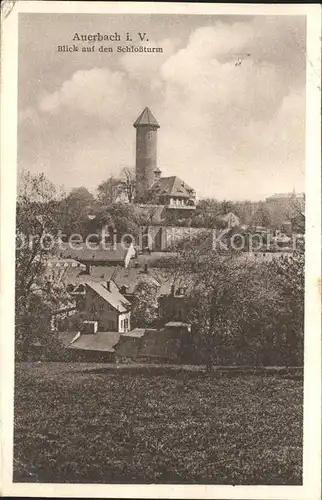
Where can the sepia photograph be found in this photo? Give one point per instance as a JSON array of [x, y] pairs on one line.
[[160, 249]]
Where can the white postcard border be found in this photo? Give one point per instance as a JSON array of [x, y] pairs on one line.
[[312, 370]]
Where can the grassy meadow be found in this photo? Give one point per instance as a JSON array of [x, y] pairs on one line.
[[86, 423]]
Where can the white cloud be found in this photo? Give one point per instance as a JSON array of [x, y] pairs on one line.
[[235, 124], [230, 131], [143, 65], [98, 92]]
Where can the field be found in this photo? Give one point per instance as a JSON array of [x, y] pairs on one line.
[[87, 423]]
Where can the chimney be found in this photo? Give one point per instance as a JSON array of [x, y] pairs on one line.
[[108, 285]]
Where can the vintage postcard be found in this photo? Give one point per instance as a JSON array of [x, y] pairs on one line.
[[160, 249]]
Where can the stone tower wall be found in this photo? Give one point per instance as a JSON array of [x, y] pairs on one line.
[[146, 158]]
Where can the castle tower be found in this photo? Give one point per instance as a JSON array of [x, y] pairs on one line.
[[146, 152]]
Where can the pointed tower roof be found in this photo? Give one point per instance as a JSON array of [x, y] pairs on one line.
[[146, 118]]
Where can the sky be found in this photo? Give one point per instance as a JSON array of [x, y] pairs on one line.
[[231, 131]]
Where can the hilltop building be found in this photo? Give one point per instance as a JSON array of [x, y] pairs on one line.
[[281, 200], [151, 187]]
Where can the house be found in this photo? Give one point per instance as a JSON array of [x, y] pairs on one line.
[[103, 302], [282, 199], [174, 193], [173, 291]]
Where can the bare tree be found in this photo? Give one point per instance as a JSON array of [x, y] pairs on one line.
[[128, 183]]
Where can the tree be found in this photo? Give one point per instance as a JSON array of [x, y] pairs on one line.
[[74, 210], [287, 275], [262, 216], [226, 206], [108, 192], [296, 215], [243, 311], [38, 294], [120, 218], [127, 184], [145, 305]]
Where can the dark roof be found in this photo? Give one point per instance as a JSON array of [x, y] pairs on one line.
[[114, 253], [146, 343], [160, 344], [129, 277], [113, 297], [102, 341], [172, 186], [146, 118]]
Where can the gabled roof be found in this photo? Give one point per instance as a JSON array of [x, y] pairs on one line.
[[172, 186], [146, 118], [114, 253], [113, 297], [100, 341], [162, 279]]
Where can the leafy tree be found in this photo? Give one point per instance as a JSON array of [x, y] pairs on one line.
[[109, 191], [121, 218], [145, 305], [287, 274], [150, 197], [37, 294], [262, 216], [74, 210], [243, 311], [226, 206]]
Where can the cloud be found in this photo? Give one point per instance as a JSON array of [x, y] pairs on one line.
[[98, 92], [224, 127], [235, 124], [140, 65]]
